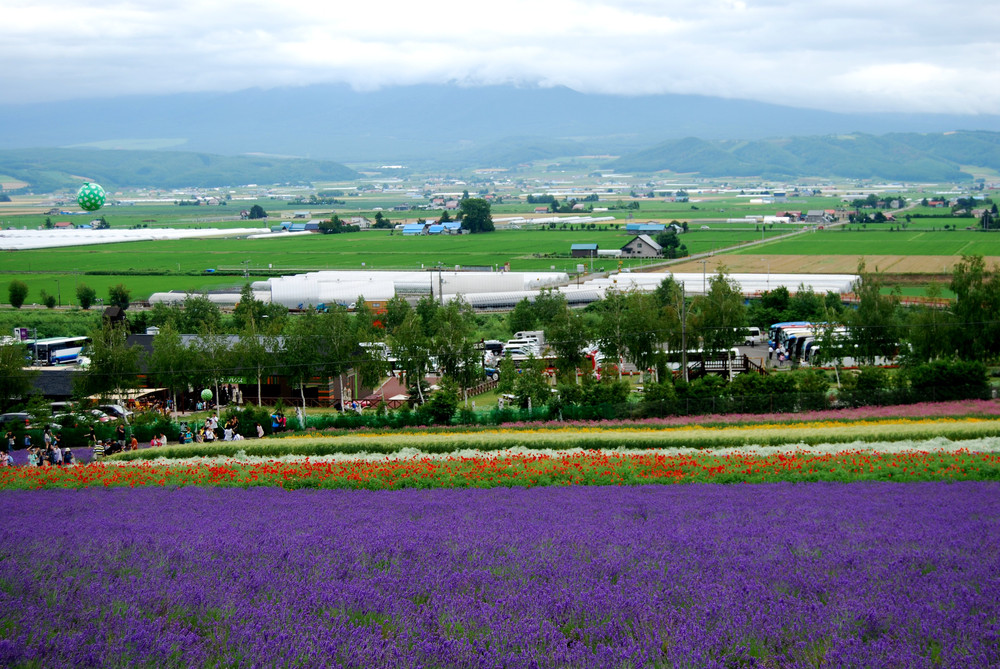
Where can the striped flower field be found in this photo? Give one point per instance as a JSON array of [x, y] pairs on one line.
[[866, 543], [521, 469]]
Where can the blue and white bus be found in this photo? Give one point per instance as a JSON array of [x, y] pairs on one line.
[[56, 350]]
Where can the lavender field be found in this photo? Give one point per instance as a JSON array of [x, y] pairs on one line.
[[779, 575]]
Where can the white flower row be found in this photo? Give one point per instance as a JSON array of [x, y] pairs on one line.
[[938, 444]]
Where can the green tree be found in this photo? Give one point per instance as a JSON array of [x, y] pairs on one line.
[[567, 336], [474, 212], [17, 292], [452, 343], [85, 296], [530, 386], [114, 365], [215, 359], [930, 331], [977, 309], [249, 311], [171, 361], [805, 305], [48, 300], [611, 331], [873, 326], [669, 242], [258, 348], [369, 362], [548, 303], [15, 377], [119, 296], [720, 314], [643, 335], [668, 299], [396, 311], [443, 404], [304, 350], [256, 212], [522, 317], [199, 313], [411, 348], [427, 309]]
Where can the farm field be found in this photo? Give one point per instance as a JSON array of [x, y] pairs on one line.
[[838, 251], [184, 262], [749, 575], [544, 554], [841, 241], [938, 266]]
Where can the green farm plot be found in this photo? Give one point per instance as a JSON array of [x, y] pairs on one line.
[[63, 286], [884, 242], [180, 265]]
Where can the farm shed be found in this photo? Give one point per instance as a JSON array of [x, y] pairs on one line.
[[642, 246], [645, 228], [413, 229], [583, 250]]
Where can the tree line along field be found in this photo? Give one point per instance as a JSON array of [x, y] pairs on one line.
[[148, 267], [168, 214]]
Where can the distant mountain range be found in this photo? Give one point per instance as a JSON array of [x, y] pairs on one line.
[[453, 127], [937, 157], [49, 170]]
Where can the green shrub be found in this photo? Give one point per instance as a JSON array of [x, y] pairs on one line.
[[659, 399], [813, 387], [870, 386], [442, 405], [944, 380]]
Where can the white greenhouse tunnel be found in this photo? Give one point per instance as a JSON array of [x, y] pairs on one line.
[[494, 290]]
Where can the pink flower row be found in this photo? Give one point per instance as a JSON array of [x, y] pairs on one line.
[[921, 410]]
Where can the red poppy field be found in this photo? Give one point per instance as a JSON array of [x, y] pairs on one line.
[[523, 470]]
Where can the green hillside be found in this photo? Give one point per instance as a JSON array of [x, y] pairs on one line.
[[48, 170], [933, 157]]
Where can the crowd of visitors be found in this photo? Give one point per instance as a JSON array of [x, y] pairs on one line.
[[50, 453]]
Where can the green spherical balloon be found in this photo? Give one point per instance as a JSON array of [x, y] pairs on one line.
[[90, 197], [206, 394]]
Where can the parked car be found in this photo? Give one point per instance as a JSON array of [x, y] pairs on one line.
[[23, 419], [15, 417], [82, 418], [115, 411]]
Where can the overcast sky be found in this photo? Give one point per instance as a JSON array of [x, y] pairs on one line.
[[843, 55]]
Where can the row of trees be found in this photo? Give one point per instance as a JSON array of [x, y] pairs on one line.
[[261, 340], [86, 296]]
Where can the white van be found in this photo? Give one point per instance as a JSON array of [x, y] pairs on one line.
[[538, 336], [752, 336]]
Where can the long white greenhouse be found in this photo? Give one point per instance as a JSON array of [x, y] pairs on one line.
[[494, 290]]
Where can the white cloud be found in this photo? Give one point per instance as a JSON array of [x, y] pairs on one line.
[[845, 55]]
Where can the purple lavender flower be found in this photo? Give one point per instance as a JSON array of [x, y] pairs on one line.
[[783, 575]]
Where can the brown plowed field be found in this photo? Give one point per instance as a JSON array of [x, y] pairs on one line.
[[811, 264]]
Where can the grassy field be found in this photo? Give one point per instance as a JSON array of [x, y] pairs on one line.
[[884, 242], [183, 263]]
